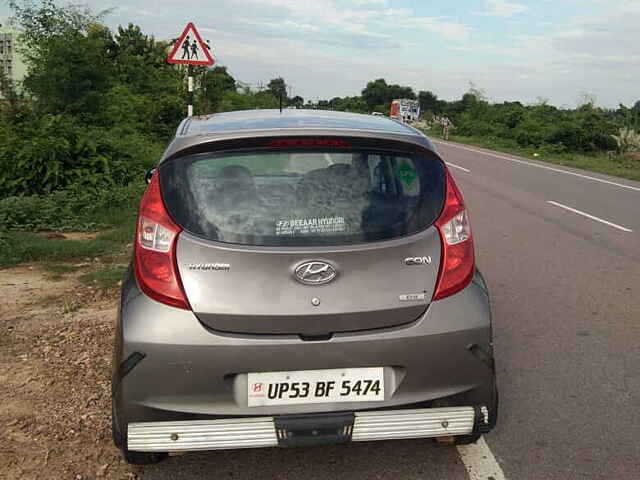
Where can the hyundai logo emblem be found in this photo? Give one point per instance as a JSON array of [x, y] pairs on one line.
[[315, 273]]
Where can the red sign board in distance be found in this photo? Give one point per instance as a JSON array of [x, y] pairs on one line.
[[189, 49]]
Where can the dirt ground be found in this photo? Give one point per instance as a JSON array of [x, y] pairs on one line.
[[55, 362]]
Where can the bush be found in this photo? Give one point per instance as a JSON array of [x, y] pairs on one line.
[[74, 209], [54, 152]]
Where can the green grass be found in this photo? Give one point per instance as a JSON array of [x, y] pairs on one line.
[[615, 165], [107, 277], [58, 271], [21, 247], [59, 268]]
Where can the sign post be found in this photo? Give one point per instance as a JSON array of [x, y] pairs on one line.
[[190, 50], [190, 90]]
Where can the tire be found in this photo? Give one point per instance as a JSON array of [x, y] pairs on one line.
[[143, 458], [115, 429], [474, 437], [467, 439], [134, 458]]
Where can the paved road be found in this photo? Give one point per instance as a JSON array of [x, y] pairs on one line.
[[561, 254], [566, 302]]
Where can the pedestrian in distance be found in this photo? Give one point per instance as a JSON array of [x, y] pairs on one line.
[[446, 125]]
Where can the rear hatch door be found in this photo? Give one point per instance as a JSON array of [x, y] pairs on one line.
[[307, 240]]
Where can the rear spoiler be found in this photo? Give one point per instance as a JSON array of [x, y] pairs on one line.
[[189, 145]]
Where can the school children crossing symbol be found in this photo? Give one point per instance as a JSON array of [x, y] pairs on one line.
[[189, 49]]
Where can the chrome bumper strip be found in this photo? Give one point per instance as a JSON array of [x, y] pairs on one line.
[[423, 423], [261, 431], [201, 435]]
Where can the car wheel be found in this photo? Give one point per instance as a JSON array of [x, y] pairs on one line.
[[115, 430], [143, 458], [467, 439], [474, 437]]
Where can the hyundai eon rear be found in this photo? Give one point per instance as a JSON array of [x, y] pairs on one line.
[[299, 278]]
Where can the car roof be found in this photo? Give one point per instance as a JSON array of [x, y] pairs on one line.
[[195, 132], [290, 118]]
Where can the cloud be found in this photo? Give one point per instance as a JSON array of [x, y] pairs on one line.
[[596, 51], [451, 31], [361, 3], [333, 47], [503, 8], [343, 22]]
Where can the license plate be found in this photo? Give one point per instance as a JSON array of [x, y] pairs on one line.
[[315, 386]]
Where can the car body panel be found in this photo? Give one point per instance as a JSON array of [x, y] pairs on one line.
[[190, 370], [273, 119], [197, 132], [259, 293]]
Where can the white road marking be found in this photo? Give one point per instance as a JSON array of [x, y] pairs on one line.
[[480, 462], [458, 166], [531, 164], [597, 219]]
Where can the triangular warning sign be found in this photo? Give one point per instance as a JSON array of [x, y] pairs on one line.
[[189, 49]]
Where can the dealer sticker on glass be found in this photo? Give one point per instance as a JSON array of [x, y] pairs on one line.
[[315, 386], [297, 226]]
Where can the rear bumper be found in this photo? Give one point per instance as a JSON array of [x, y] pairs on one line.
[[267, 432], [169, 368]]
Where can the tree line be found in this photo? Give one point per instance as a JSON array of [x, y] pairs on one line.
[[97, 105], [585, 129]]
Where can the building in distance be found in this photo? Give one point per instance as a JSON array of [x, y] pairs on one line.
[[11, 64]]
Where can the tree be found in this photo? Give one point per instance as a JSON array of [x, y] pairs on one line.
[[297, 101], [398, 91], [376, 93], [246, 99], [140, 62], [45, 21], [145, 89], [324, 105], [216, 83], [67, 53], [352, 104], [278, 88], [428, 102], [76, 86]]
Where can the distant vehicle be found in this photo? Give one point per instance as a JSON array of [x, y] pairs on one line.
[[405, 110], [377, 114], [300, 277]]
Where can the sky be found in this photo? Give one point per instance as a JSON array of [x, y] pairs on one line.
[[525, 50]]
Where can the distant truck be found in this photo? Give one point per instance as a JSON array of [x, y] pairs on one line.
[[405, 110]]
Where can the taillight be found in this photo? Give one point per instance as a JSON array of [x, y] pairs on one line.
[[457, 261], [307, 142], [155, 250]]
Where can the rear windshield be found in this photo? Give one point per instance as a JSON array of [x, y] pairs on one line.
[[303, 198]]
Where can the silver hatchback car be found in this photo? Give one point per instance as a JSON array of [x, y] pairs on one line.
[[300, 277]]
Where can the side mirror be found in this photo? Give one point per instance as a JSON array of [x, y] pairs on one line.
[[149, 175]]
